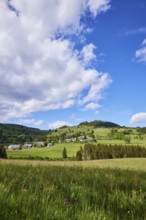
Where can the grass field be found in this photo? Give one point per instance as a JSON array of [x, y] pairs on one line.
[[46, 152], [138, 164], [54, 151], [34, 190]]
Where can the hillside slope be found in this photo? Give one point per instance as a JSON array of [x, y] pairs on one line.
[[12, 133]]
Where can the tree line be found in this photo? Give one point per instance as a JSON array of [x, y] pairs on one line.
[[103, 151]]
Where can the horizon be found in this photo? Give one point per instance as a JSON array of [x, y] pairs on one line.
[[122, 126], [60, 67]]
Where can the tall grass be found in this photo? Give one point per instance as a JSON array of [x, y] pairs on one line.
[[52, 192]]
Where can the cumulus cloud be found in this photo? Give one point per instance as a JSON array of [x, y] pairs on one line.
[[87, 53], [141, 53], [40, 69], [139, 117], [58, 124]]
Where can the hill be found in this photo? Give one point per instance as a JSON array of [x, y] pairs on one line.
[[12, 133], [98, 123]]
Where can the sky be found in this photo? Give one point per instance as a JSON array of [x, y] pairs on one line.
[[63, 62]]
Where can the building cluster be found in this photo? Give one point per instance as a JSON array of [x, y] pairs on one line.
[[81, 139], [26, 146], [42, 144]]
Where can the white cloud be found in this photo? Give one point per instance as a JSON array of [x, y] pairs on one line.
[[141, 53], [87, 53], [97, 6], [144, 42], [92, 106], [58, 124], [30, 121], [129, 32], [38, 71], [139, 117]]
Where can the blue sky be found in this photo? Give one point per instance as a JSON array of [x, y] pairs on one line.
[[63, 63]]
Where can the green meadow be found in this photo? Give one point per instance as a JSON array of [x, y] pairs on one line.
[[46, 152], [34, 190]]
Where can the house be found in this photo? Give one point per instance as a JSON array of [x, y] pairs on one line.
[[82, 139], [39, 144], [71, 140], [49, 144], [74, 139], [14, 147], [68, 140], [27, 145]]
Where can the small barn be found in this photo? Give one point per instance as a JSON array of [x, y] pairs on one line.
[[39, 144], [27, 146], [14, 147]]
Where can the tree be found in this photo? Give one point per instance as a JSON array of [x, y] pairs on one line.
[[3, 153], [79, 155], [64, 153], [127, 140]]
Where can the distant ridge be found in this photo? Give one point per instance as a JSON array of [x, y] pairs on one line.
[[99, 123], [14, 133], [20, 128]]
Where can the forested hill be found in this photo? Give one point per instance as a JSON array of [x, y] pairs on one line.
[[98, 123], [12, 133]]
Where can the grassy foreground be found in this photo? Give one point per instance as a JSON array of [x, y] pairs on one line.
[[138, 164], [33, 191]]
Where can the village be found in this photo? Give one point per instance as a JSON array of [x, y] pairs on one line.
[[40, 144]]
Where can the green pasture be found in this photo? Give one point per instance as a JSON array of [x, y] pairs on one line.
[[56, 150], [46, 152], [48, 192]]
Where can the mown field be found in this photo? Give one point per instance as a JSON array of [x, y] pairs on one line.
[[46, 152], [37, 190]]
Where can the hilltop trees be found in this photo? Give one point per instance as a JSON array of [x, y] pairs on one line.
[[98, 123]]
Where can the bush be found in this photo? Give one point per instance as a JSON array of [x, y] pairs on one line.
[[3, 153], [64, 153], [79, 155]]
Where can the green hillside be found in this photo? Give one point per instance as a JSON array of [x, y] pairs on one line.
[[12, 134]]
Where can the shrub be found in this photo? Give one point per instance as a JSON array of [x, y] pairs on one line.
[[79, 155], [64, 153], [3, 153]]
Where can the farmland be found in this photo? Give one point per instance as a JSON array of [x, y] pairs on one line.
[[101, 135], [45, 152], [50, 187], [43, 190]]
